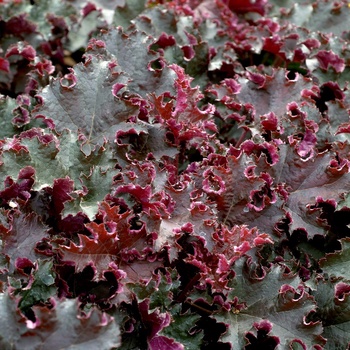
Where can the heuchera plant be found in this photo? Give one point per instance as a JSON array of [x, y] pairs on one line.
[[174, 174]]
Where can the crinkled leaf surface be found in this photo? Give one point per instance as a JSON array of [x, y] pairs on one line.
[[98, 183], [41, 288], [133, 55], [12, 323], [20, 240], [59, 328], [39, 153], [306, 181], [160, 291], [181, 215], [238, 187], [273, 92], [334, 310], [99, 251], [110, 240], [337, 264], [92, 175], [107, 8], [39, 13], [62, 327], [153, 186], [180, 327], [79, 166], [83, 101], [7, 105], [31, 151], [332, 17], [80, 32], [234, 204], [302, 181], [176, 34], [275, 297], [126, 11]]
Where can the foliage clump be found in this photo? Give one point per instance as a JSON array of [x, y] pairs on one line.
[[174, 174]]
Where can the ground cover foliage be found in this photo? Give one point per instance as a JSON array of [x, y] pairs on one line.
[[174, 174]]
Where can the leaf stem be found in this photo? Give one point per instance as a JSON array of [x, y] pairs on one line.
[[209, 312]]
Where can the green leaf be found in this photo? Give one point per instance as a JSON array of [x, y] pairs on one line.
[[337, 264], [276, 297], [82, 101], [180, 327], [324, 16], [98, 184], [275, 93], [134, 57], [75, 163], [42, 154], [80, 33], [37, 155], [20, 240], [345, 202], [12, 322], [7, 105], [342, 78], [38, 13], [92, 175], [160, 291], [12, 163], [61, 327], [41, 288], [124, 14], [333, 309]]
